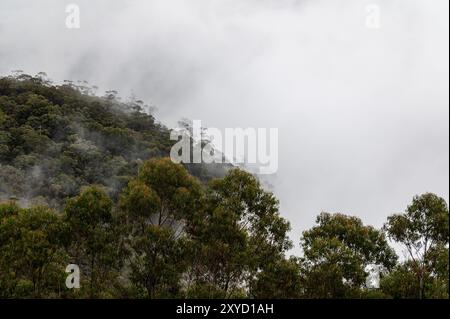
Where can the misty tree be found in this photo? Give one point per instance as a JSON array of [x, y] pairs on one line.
[[29, 140], [424, 231], [336, 253], [12, 180], [75, 138], [4, 141], [241, 233], [32, 252], [155, 229], [96, 246], [161, 204]]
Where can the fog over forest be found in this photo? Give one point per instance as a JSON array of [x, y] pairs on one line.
[[362, 112]]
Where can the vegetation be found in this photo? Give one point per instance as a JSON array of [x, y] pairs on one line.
[[55, 139], [424, 231], [337, 252], [85, 180]]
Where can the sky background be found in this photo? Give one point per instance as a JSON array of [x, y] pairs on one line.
[[362, 113]]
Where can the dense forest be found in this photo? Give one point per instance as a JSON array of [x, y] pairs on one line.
[[86, 180]]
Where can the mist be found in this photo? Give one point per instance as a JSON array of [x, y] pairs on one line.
[[362, 112]]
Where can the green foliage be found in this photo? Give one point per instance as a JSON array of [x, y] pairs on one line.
[[159, 262], [55, 139], [161, 204], [401, 283], [280, 280], [424, 231], [337, 251], [171, 237], [239, 235], [95, 243], [32, 252], [425, 219], [178, 192], [140, 226]]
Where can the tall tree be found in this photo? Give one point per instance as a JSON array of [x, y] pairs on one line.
[[95, 245], [423, 230], [161, 205], [32, 252], [241, 233], [336, 253]]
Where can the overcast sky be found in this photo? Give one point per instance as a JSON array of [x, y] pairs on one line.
[[362, 113]]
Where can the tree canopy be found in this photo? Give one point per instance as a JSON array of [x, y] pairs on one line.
[[85, 180]]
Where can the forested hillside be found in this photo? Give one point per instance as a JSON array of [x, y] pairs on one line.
[[54, 139], [85, 180]]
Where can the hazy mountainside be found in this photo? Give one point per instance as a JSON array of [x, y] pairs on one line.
[[137, 225], [56, 138]]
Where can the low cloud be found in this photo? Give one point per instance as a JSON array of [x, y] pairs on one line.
[[362, 113]]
